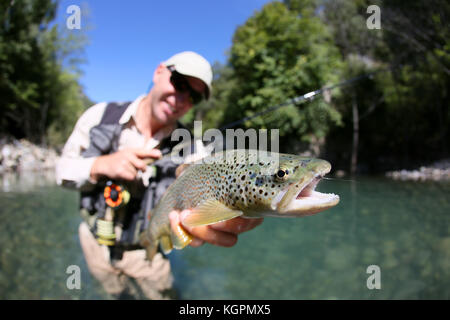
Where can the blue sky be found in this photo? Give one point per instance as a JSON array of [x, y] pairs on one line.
[[128, 39]]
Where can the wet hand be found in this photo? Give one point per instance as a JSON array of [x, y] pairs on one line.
[[224, 234], [123, 164]]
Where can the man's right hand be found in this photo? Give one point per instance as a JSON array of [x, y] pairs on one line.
[[123, 164]]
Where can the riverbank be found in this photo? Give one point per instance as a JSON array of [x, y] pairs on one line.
[[24, 156], [437, 171]]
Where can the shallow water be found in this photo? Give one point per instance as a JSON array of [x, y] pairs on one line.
[[402, 227]]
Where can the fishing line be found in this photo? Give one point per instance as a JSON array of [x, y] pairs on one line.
[[339, 179]]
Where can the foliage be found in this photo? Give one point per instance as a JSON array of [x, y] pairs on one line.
[[403, 110], [277, 56], [41, 95], [292, 47]]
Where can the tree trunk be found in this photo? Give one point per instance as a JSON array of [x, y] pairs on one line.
[[44, 110], [354, 161]]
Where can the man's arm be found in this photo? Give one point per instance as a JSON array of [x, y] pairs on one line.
[[73, 170]]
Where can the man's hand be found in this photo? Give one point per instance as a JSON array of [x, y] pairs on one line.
[[123, 164], [222, 234]]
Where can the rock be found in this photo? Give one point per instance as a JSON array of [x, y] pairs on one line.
[[22, 155], [6, 151], [340, 173], [436, 172]]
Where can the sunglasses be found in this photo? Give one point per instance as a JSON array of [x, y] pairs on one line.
[[181, 84]]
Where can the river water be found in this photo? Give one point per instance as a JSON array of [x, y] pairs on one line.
[[401, 228]]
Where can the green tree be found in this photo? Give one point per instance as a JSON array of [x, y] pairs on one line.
[[277, 55], [40, 92], [418, 38], [400, 116]]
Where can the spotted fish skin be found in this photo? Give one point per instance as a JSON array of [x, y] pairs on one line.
[[234, 183]]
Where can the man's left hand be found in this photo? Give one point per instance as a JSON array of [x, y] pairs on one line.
[[224, 234]]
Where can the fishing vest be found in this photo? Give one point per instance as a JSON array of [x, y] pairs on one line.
[[132, 217]]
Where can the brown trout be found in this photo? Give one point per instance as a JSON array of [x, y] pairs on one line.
[[237, 183]]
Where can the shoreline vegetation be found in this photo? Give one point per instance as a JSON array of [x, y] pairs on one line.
[[20, 155]]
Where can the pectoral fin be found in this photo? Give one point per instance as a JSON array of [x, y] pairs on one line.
[[209, 212]]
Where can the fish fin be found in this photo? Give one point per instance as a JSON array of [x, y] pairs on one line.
[[180, 169], [166, 244], [151, 247], [209, 212], [180, 238]]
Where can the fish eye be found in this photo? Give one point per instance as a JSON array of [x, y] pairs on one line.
[[281, 174]]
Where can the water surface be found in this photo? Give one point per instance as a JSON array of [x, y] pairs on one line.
[[402, 227]]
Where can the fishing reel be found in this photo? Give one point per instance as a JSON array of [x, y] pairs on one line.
[[116, 197]]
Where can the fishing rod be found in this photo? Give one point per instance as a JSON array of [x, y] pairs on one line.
[[303, 98], [293, 101]]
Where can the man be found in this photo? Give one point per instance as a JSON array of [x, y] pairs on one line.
[[113, 142]]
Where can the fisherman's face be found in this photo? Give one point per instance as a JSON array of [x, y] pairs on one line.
[[168, 104]]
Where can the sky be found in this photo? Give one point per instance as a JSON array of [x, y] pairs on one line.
[[128, 39]]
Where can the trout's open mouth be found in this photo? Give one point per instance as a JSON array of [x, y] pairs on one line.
[[301, 199]]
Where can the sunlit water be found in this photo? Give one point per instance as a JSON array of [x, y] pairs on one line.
[[401, 227]]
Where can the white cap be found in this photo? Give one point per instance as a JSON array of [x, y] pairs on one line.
[[192, 64]]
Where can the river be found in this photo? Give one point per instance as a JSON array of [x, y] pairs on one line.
[[401, 228]]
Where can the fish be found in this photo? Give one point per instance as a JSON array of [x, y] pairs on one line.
[[237, 183]]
